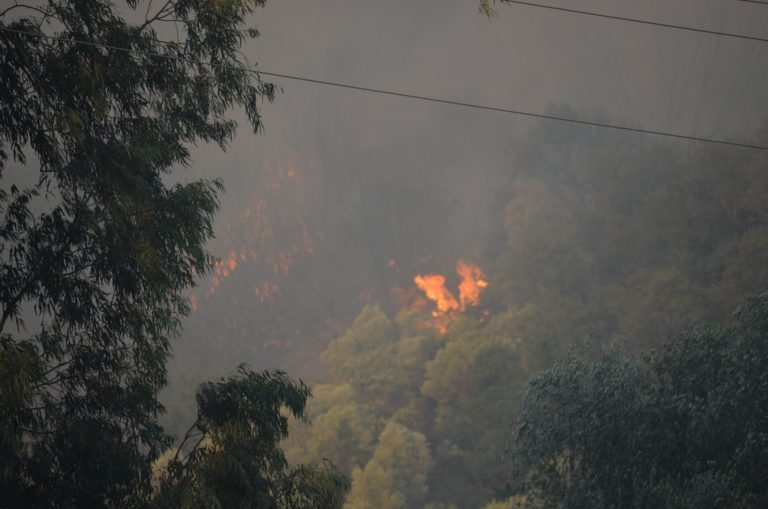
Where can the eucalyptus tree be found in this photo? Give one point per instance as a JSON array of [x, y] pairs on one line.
[[685, 427], [96, 252], [230, 456]]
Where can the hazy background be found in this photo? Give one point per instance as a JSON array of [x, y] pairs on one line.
[[585, 234], [346, 195]]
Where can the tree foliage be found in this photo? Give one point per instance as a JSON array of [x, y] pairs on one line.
[[684, 427], [621, 236], [341, 429], [96, 113], [450, 392], [598, 236], [396, 475], [236, 459], [382, 360]]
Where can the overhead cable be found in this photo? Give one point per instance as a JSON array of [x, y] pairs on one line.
[[402, 94], [640, 21]]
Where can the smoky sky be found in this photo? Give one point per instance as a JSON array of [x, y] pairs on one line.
[[526, 58], [383, 179], [423, 175]]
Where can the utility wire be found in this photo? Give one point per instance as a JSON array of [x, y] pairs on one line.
[[753, 2], [642, 21], [401, 94], [515, 112]]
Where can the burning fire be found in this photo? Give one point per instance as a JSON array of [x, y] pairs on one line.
[[270, 235], [433, 285], [471, 286]]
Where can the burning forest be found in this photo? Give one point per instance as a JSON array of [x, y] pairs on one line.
[[425, 262]]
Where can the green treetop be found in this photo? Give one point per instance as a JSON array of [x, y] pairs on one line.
[[686, 427]]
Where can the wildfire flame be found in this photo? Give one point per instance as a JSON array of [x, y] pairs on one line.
[[255, 243], [433, 286], [446, 304], [472, 283]]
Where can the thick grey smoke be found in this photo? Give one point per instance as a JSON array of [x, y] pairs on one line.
[[355, 181]]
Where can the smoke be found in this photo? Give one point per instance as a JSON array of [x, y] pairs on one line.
[[341, 182]]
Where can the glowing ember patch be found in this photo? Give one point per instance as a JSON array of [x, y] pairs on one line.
[[269, 237]]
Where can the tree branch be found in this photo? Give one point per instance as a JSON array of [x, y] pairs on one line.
[[189, 434], [158, 15], [17, 5]]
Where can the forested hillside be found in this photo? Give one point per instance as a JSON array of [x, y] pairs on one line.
[[598, 237], [578, 320], [683, 427]]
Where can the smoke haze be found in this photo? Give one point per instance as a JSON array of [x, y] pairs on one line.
[[346, 196]]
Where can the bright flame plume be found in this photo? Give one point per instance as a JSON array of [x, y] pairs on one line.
[[446, 304]]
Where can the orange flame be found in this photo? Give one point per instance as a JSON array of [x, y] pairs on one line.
[[472, 283], [256, 242], [433, 285], [471, 286]]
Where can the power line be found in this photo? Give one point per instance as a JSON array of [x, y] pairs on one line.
[[403, 94], [642, 21], [753, 2], [514, 112]]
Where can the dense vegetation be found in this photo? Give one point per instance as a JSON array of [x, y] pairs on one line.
[[596, 235], [97, 250], [684, 427], [599, 237]]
